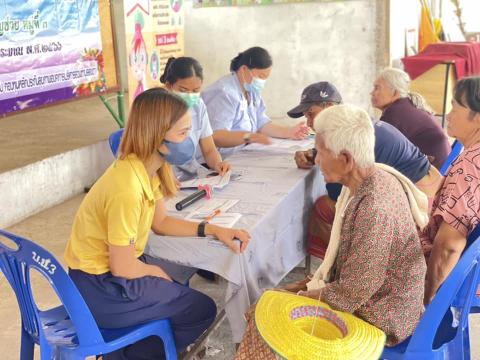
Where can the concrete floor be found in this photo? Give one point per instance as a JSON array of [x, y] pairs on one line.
[[32, 136]]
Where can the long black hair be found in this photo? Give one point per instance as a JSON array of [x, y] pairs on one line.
[[254, 58], [467, 93], [181, 68]]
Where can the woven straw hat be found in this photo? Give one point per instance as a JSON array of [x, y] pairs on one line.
[[285, 322]]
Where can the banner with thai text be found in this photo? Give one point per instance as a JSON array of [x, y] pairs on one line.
[[50, 50]]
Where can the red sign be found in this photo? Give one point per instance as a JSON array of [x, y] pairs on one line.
[[166, 39]]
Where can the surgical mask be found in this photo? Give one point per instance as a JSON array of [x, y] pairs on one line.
[[179, 153], [190, 98], [255, 86]]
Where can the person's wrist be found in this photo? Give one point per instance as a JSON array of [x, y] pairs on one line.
[[292, 131], [247, 138], [210, 229]]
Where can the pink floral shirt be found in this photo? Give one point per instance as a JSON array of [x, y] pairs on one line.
[[458, 200]]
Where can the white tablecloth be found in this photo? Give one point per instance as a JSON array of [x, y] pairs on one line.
[[275, 201]]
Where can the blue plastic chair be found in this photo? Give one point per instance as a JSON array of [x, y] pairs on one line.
[[460, 299], [68, 331], [114, 141], [435, 337], [457, 148]]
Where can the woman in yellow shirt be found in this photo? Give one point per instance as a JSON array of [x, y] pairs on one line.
[[119, 283]]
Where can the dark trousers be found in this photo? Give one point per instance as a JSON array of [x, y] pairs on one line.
[[117, 302]]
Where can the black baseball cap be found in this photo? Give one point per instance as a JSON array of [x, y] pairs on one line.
[[315, 94]]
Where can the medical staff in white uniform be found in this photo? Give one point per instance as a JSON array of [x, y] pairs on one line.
[[235, 106], [184, 76]]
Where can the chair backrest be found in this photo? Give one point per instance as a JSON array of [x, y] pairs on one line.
[[16, 265], [457, 148], [463, 279], [114, 141]]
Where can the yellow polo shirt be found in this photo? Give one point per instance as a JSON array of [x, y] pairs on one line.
[[117, 210]]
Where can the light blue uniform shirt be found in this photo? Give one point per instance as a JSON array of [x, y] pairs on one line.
[[200, 129], [228, 108]]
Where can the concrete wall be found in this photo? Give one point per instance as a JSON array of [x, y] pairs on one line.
[[341, 42], [41, 185]]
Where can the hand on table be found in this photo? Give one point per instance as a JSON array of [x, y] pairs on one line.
[[299, 131], [304, 159], [228, 236], [222, 167]]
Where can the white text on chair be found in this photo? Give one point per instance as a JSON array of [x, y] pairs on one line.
[[44, 263]]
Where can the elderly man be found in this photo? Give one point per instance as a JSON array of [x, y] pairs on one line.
[[410, 114], [391, 148], [374, 267], [314, 99]]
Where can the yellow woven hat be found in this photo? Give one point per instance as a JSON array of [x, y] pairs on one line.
[[285, 321]]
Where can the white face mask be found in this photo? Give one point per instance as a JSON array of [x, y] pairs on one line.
[[256, 85]]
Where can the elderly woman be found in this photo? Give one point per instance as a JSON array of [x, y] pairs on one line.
[[410, 114], [391, 148], [379, 265], [455, 212]]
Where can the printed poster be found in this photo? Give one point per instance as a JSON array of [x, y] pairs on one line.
[[50, 50], [154, 32]]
